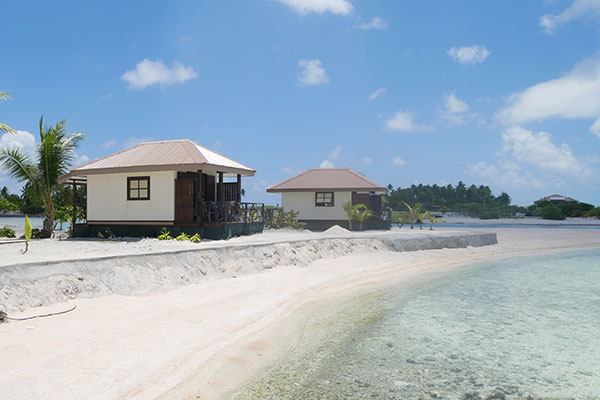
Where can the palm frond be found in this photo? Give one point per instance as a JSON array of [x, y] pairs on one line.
[[6, 129], [16, 164], [4, 96]]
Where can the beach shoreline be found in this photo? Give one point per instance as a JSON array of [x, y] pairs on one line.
[[204, 340]]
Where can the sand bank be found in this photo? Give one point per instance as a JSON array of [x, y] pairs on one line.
[[55, 271], [197, 339]]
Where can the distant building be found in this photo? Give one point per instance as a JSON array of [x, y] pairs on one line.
[[318, 195], [557, 198]]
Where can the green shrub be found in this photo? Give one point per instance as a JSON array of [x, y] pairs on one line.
[[593, 213], [165, 236], [195, 238], [551, 212], [7, 232], [182, 237]]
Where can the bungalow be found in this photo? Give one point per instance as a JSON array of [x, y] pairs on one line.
[[557, 198], [176, 185], [318, 195]]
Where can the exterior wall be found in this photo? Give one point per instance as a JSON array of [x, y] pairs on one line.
[[107, 198], [305, 203]]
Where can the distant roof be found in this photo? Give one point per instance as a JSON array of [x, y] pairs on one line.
[[340, 179], [168, 155], [557, 197]]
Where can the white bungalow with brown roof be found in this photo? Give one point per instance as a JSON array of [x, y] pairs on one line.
[[174, 185], [318, 195]]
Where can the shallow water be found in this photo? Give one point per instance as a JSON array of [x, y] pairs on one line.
[[506, 329], [19, 222]]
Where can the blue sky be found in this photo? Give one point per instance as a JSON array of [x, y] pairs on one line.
[[499, 93]]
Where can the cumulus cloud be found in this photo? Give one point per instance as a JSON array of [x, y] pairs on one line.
[[109, 144], [303, 7], [537, 149], [367, 160], [403, 121], [378, 93], [398, 161], [290, 170], [333, 156], [375, 23], [148, 73], [22, 140], [454, 105], [469, 55], [312, 73], [577, 10], [573, 96], [506, 179], [327, 164]]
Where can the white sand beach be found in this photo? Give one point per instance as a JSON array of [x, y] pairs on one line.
[[205, 338]]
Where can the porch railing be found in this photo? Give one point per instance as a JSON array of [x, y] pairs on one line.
[[231, 212]]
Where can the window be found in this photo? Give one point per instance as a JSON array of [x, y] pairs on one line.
[[138, 188], [324, 199]]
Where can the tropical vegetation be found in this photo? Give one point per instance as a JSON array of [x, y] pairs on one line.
[[54, 156], [3, 127]]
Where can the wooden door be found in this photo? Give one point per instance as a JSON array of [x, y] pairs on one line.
[[184, 200]]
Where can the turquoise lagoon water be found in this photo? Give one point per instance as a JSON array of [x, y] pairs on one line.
[[19, 222], [523, 328]]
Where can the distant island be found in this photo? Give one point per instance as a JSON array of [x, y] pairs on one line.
[[479, 202]]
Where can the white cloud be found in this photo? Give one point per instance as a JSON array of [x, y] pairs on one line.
[[291, 170], [109, 144], [303, 7], [327, 164], [378, 93], [19, 139], [147, 73], [367, 160], [398, 161], [134, 140], [537, 149], [454, 105], [595, 128], [469, 54], [79, 160], [578, 9], [313, 73], [403, 121], [507, 179], [573, 96], [335, 153], [375, 23]]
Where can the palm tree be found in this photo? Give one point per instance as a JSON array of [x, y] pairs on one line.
[[422, 217], [433, 219], [5, 128], [351, 211], [363, 214], [55, 153], [413, 213]]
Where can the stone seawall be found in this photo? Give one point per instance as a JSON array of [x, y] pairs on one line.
[[44, 283]]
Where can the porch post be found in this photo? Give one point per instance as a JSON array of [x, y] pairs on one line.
[[199, 197], [74, 206], [239, 188], [220, 188]]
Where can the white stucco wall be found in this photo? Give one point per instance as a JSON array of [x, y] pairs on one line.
[[305, 203], [107, 198]]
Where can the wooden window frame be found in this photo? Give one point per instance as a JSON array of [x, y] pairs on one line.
[[323, 204], [137, 178]]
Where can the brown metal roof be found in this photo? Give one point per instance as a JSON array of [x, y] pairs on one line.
[[169, 155], [340, 179]]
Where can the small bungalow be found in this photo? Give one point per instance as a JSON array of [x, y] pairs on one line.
[[318, 195], [175, 185], [557, 198]]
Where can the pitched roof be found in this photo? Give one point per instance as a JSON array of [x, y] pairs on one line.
[[340, 179], [557, 197], [162, 156]]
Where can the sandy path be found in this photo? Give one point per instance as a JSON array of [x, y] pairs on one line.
[[198, 339]]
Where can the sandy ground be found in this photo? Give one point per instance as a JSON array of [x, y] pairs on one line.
[[201, 340]]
